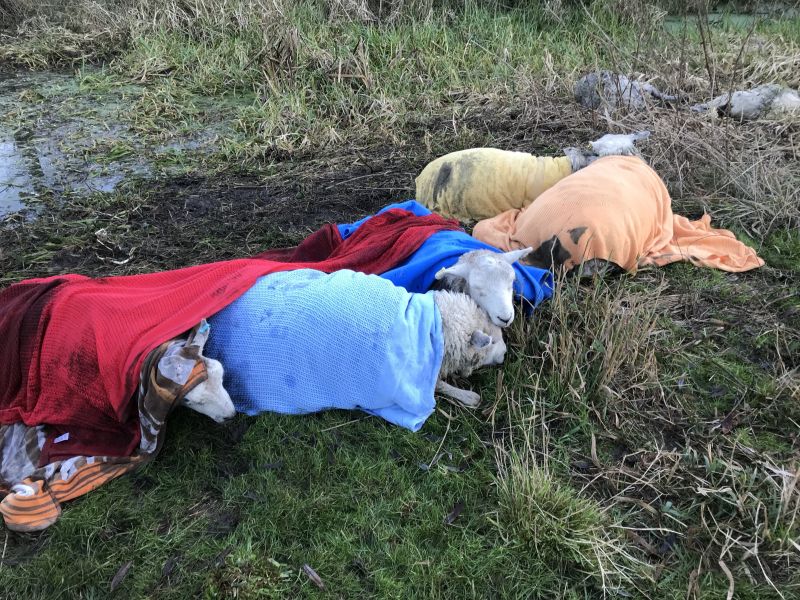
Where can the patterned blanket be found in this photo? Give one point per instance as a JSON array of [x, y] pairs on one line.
[[32, 494]]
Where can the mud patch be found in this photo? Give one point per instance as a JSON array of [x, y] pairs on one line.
[[442, 179], [57, 138], [223, 523], [21, 548], [281, 203], [183, 221]]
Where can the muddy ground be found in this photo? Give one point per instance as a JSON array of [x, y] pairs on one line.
[[65, 171], [82, 193]]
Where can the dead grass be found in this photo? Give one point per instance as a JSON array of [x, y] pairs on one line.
[[593, 395], [748, 175]]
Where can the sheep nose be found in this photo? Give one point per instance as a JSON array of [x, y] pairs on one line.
[[505, 321]]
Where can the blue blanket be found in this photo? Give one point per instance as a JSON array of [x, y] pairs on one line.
[[443, 249], [303, 341]]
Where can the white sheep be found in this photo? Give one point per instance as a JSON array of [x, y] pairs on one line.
[[488, 278], [769, 101], [471, 341], [209, 397], [604, 88], [302, 341], [481, 183]]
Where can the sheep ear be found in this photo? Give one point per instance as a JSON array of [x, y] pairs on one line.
[[176, 368], [201, 336], [515, 255], [479, 339], [457, 270]]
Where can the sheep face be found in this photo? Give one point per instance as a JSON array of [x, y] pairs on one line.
[[209, 397], [488, 278]]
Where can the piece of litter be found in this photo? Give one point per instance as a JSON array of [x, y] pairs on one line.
[[121, 574], [312, 575], [454, 513], [62, 438]]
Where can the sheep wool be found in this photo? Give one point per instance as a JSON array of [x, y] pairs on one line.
[[483, 182], [303, 341]]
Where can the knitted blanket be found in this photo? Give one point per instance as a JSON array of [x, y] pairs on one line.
[[443, 249], [72, 347], [303, 341]]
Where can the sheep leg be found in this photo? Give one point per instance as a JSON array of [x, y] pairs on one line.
[[463, 397]]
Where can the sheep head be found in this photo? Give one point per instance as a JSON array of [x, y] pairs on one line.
[[488, 278], [208, 397]]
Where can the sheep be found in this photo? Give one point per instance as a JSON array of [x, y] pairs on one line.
[[471, 341], [303, 341], [604, 88], [481, 183], [488, 278], [209, 397], [765, 101]]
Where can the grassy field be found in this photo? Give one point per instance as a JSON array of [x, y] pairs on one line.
[[643, 437]]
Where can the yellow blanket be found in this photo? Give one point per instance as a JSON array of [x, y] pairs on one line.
[[617, 209], [483, 182]]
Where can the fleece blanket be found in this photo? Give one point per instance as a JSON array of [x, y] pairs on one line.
[[32, 495], [443, 249], [73, 347], [483, 182], [303, 341], [618, 210]]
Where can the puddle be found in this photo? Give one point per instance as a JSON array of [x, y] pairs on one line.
[[57, 139], [734, 20], [15, 180]]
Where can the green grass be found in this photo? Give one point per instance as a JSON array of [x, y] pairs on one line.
[[641, 436]]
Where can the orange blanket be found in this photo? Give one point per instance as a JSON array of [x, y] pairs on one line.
[[617, 209]]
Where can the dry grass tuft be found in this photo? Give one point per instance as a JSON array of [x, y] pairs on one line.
[[566, 533], [591, 396], [595, 349], [747, 176], [205, 19], [54, 34]]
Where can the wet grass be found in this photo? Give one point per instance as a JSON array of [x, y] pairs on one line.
[[642, 438]]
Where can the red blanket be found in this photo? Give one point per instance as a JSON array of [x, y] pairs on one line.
[[72, 347]]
